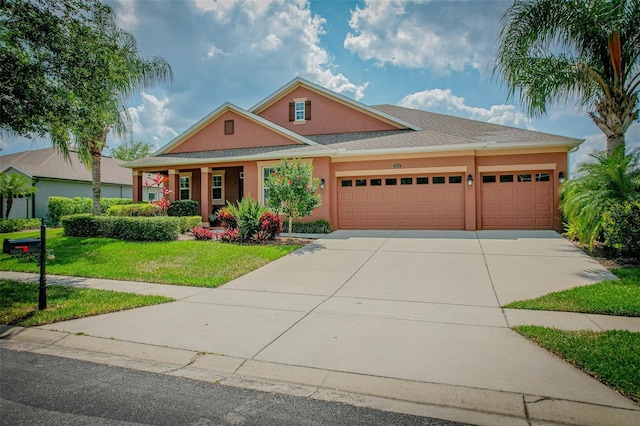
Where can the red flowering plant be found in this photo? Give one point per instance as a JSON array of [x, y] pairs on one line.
[[227, 219], [158, 181], [203, 234], [270, 227]]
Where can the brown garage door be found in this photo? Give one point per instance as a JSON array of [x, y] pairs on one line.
[[517, 200], [401, 202]]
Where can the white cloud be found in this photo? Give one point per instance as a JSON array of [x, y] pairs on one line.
[[441, 36], [126, 14], [444, 101], [275, 33], [149, 120], [598, 142]]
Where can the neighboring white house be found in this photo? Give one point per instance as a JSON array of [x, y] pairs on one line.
[[53, 175]]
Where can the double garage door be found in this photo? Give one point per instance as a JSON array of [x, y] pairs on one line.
[[509, 200], [401, 202]]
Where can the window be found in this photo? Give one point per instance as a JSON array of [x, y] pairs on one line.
[[346, 183], [506, 178], [216, 188], [185, 187], [422, 181], [455, 179], [391, 181], [438, 179], [266, 172], [361, 182], [376, 182], [489, 179], [406, 181], [228, 127], [543, 177], [524, 178], [300, 110], [151, 196]]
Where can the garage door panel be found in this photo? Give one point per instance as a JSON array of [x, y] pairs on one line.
[[409, 206], [517, 205]]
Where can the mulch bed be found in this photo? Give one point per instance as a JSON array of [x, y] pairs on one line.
[[605, 256], [279, 241]]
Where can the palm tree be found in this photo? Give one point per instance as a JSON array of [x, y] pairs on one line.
[[583, 50], [103, 70], [13, 185], [598, 185]]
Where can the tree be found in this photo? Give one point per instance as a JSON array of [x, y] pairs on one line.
[[131, 150], [33, 38], [291, 190], [103, 69], [598, 185], [14, 185], [582, 50]]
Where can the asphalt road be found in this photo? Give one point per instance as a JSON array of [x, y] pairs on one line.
[[40, 389]]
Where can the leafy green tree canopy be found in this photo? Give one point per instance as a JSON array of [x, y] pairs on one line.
[[579, 50], [13, 185], [291, 190], [131, 150]]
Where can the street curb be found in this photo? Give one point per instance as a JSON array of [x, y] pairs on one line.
[[454, 403]]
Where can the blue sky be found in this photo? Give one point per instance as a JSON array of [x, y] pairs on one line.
[[434, 55]]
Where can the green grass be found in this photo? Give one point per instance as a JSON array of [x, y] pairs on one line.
[[620, 297], [19, 303], [194, 263], [613, 357]]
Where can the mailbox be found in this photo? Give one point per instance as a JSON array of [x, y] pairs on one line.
[[22, 246]]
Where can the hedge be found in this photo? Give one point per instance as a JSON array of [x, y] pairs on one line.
[[187, 223], [158, 228], [64, 206], [183, 208], [132, 210], [15, 225], [622, 228], [315, 227]]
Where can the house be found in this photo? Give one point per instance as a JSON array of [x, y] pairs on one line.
[[53, 175], [381, 167]]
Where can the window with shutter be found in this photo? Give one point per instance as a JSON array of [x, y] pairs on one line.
[[299, 110]]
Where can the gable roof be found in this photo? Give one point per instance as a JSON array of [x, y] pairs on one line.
[[298, 82], [227, 106], [49, 163]]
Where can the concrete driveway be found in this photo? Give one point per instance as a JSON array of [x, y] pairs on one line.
[[418, 306]]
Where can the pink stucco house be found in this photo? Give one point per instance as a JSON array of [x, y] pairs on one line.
[[382, 167]]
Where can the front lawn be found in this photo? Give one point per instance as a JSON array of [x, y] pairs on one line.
[[194, 263], [613, 357], [620, 297], [19, 303]]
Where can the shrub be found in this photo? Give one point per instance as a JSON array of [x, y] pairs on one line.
[[227, 219], [622, 228], [229, 236], [159, 228], [183, 208], [15, 225], [203, 234], [315, 227], [270, 227], [133, 210], [64, 206], [189, 222], [247, 213]]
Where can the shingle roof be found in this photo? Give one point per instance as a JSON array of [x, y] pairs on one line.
[[49, 163], [472, 130]]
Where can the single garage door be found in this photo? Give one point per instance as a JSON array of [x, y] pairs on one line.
[[517, 200], [401, 202]]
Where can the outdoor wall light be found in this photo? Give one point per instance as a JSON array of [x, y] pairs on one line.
[[561, 177], [470, 180], [321, 183]]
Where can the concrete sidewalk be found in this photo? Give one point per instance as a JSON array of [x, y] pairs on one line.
[[404, 321]]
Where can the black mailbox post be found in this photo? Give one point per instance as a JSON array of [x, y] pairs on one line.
[[33, 246]]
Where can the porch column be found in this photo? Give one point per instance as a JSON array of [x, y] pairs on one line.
[[174, 185], [136, 195], [205, 193]]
